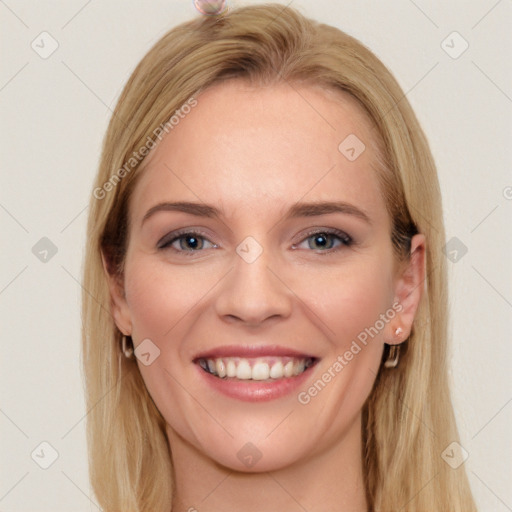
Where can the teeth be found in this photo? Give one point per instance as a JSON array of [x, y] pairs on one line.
[[221, 368], [243, 370], [231, 368], [260, 371], [256, 369], [276, 372]]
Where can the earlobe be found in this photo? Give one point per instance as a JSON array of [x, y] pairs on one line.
[[408, 292], [118, 305]]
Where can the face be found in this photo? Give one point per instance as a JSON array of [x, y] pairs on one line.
[[261, 309]]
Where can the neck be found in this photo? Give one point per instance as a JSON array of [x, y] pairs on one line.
[[332, 480]]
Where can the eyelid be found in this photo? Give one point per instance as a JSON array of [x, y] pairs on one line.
[[345, 239], [167, 241], [171, 237], [328, 231]]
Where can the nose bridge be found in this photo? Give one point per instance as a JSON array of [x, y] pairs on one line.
[[252, 292]]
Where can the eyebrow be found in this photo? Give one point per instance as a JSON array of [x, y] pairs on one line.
[[310, 209]]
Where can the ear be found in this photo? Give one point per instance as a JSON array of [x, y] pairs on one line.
[[409, 288], [118, 305]]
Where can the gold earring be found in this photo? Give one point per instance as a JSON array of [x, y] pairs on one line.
[[128, 352], [394, 351], [394, 354]]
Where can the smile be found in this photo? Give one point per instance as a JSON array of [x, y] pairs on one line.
[[259, 368], [254, 373]]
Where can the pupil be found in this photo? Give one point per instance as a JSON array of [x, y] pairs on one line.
[[192, 241], [321, 237]]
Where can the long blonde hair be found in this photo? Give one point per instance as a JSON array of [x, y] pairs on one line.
[[408, 419]]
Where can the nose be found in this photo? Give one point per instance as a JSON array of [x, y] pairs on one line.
[[254, 292]]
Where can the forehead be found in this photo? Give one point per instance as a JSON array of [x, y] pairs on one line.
[[260, 149]]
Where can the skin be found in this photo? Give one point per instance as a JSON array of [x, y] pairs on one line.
[[252, 153]]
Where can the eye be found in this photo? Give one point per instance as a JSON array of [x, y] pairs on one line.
[[188, 242], [325, 240], [185, 242]]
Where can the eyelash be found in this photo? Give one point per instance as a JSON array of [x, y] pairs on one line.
[[166, 243]]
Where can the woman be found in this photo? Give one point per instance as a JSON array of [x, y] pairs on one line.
[[264, 290]]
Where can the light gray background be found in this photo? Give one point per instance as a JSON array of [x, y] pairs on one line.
[[54, 113]]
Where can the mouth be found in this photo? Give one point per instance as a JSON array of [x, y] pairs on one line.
[[266, 369], [254, 373]]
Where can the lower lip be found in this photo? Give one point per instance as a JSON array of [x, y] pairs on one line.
[[255, 390]]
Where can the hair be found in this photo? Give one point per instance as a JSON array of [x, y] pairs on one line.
[[408, 418]]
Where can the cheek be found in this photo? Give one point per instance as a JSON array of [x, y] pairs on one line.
[[162, 303], [351, 305], [159, 298], [349, 298]]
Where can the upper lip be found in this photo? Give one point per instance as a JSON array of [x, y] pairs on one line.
[[251, 351]]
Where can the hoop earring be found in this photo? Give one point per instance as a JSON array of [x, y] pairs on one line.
[[394, 355], [128, 352]]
